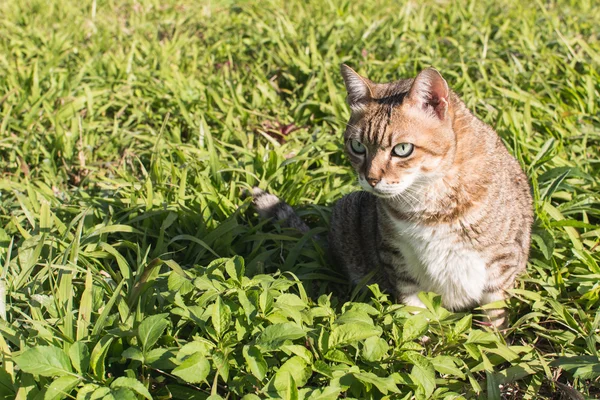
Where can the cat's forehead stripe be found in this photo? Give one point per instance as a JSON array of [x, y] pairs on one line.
[[383, 124], [375, 133], [365, 132]]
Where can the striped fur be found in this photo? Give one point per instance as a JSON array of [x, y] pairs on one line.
[[454, 217]]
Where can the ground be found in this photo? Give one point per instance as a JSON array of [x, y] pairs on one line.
[[132, 265]]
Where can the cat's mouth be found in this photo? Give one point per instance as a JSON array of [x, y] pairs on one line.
[[379, 192]]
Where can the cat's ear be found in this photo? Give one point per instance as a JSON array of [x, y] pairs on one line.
[[358, 88], [430, 92]]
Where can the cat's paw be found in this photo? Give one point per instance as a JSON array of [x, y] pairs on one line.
[[412, 300], [496, 318]]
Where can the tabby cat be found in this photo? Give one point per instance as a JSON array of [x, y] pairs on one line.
[[444, 207]]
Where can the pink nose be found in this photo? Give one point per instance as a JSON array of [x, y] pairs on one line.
[[373, 182]]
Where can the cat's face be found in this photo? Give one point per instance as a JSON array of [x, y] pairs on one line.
[[399, 137]]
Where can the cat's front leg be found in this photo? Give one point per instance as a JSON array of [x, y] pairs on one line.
[[409, 295], [497, 317]]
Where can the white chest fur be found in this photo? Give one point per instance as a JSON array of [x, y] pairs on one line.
[[442, 263]]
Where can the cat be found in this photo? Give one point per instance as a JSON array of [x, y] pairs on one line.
[[444, 208]]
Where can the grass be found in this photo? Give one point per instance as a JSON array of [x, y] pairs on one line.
[[132, 267]]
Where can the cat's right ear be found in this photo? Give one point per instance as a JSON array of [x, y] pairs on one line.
[[430, 92], [358, 88]]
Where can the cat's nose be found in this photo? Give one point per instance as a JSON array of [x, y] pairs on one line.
[[373, 181]]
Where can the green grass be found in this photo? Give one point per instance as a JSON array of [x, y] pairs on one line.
[[133, 267]]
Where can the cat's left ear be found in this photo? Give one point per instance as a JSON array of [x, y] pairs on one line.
[[430, 92]]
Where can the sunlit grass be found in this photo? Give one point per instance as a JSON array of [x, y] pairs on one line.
[[129, 131]]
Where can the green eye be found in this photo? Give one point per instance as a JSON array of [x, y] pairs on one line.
[[358, 147], [403, 149]]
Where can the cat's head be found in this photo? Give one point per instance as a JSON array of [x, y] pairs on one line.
[[400, 133]]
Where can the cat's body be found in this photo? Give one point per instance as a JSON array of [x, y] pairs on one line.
[[445, 207], [468, 256]]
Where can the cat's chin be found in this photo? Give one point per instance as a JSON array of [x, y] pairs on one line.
[[388, 192], [383, 195]]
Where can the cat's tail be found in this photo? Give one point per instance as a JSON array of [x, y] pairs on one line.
[[271, 206]]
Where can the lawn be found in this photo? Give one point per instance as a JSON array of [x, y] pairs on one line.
[[133, 266]]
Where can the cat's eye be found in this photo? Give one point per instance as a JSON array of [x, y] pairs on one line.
[[358, 147], [403, 149]]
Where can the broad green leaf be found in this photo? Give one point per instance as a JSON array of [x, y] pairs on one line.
[[322, 368], [374, 348], [151, 329], [481, 337], [161, 358], [255, 361], [327, 393], [354, 316], [132, 384], [284, 384], [447, 365], [102, 393], [61, 387], [300, 351], [291, 392], [133, 353], [364, 307], [44, 360], [414, 327], [422, 372], [290, 300], [222, 365], [297, 368], [99, 355], [235, 268], [201, 346], [275, 335], [351, 332], [193, 369], [384, 385], [338, 356], [180, 284], [86, 391], [265, 301], [464, 324], [121, 393], [79, 354], [504, 352], [7, 389], [249, 308], [221, 317]]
